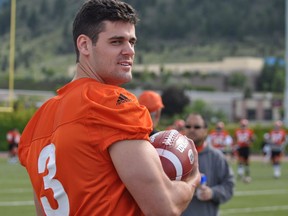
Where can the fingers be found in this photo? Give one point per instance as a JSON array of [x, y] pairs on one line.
[[195, 174], [205, 193], [195, 153]]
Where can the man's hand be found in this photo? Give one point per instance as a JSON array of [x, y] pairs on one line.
[[204, 193]]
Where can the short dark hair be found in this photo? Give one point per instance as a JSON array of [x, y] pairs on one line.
[[90, 17], [203, 118]]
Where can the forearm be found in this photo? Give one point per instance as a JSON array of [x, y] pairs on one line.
[[182, 194], [174, 197], [185, 190]]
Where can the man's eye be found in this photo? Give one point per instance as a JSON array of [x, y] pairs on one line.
[[116, 42], [133, 43]]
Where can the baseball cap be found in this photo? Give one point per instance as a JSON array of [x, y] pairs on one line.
[[151, 100]]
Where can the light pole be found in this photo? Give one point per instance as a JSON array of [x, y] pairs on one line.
[[12, 53], [11, 59], [286, 66]]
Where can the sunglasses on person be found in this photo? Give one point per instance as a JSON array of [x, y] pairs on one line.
[[196, 127]]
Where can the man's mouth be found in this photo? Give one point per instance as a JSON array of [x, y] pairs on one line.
[[126, 63]]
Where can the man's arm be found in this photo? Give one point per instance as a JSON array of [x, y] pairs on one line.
[[220, 193], [223, 192], [140, 169]]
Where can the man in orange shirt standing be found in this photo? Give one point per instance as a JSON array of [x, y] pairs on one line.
[[244, 138], [87, 150]]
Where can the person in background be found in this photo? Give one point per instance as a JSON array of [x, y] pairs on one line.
[[266, 148], [213, 165], [87, 150], [220, 139], [179, 125], [244, 138], [276, 139], [153, 102], [13, 138]]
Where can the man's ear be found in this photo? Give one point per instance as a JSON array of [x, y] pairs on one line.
[[83, 43], [158, 114]]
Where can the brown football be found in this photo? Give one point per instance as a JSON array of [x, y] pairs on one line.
[[175, 152]]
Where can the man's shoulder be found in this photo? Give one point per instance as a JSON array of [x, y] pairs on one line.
[[215, 152]]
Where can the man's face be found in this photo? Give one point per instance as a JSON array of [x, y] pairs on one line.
[[219, 126], [195, 129], [111, 58], [277, 125]]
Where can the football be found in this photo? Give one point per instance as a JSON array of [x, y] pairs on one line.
[[175, 152]]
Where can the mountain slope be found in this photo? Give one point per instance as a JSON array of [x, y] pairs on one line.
[[169, 31]]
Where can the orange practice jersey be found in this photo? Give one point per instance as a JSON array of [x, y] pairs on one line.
[[277, 137], [219, 139], [13, 137], [244, 137], [65, 145]]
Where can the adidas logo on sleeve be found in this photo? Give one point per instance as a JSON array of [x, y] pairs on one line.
[[122, 99]]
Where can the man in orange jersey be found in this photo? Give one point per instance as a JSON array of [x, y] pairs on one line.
[[153, 102], [220, 139], [244, 138], [276, 140], [87, 150]]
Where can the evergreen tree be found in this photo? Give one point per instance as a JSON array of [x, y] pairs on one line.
[[174, 100]]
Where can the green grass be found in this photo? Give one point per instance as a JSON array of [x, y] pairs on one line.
[[16, 197], [264, 196]]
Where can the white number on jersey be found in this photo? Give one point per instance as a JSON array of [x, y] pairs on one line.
[[48, 153]]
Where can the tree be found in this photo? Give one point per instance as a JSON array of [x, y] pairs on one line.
[[199, 106], [247, 92], [4, 18], [237, 80], [32, 21], [59, 8], [66, 46], [4, 63], [44, 7], [174, 100], [272, 77]]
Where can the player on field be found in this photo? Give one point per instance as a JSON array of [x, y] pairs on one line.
[[179, 125], [244, 138], [87, 150], [266, 148], [220, 139], [276, 139], [213, 164], [13, 138]]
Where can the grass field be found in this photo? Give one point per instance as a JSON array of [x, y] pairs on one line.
[[264, 196]]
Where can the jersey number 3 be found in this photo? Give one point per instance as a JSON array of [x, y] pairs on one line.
[[48, 153]]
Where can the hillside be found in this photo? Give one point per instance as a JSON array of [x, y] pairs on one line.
[[169, 31]]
